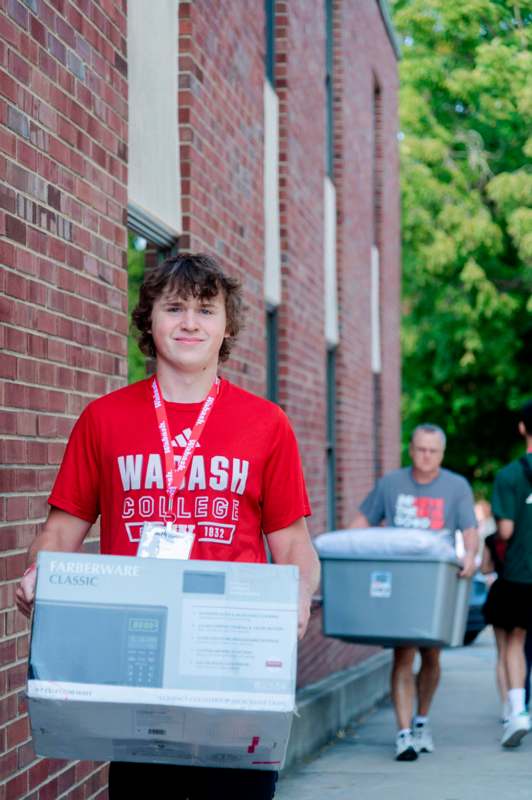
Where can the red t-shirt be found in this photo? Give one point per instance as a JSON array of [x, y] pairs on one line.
[[245, 476]]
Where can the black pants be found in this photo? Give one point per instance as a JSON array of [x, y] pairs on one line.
[[129, 781]]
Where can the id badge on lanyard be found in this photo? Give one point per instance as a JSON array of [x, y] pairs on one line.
[[167, 539]]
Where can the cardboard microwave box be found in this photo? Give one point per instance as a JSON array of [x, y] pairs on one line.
[[183, 662]]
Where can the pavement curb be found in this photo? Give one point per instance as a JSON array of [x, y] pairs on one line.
[[323, 708]]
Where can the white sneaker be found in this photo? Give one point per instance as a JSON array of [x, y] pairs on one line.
[[423, 738], [404, 747], [515, 729]]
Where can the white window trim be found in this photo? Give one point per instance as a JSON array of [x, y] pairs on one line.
[[154, 181], [332, 335], [272, 229], [376, 361]]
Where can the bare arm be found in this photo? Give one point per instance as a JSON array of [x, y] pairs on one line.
[[505, 528], [360, 521], [293, 545], [62, 533], [471, 542], [486, 565]]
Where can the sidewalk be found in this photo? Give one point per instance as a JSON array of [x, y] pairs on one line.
[[468, 764]]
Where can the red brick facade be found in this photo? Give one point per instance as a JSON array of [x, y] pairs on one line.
[[301, 89], [63, 173], [63, 201], [358, 67], [364, 62], [220, 114]]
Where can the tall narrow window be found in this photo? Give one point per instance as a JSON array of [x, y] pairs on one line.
[[331, 439], [329, 99], [269, 58], [154, 198], [272, 354], [136, 250], [142, 255], [272, 229], [330, 281], [376, 365]]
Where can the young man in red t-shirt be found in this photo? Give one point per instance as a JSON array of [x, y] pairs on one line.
[[243, 478]]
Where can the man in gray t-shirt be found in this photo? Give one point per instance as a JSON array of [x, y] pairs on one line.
[[422, 496], [401, 501]]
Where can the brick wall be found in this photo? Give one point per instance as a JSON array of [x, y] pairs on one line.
[[63, 196], [63, 138], [221, 75], [362, 54], [365, 58], [300, 83]]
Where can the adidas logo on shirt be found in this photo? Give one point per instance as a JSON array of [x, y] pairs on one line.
[[181, 440]]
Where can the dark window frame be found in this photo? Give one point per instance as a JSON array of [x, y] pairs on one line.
[[329, 89], [331, 438], [377, 220], [269, 36], [272, 353]]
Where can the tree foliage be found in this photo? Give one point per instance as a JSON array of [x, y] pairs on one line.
[[136, 361], [466, 143]]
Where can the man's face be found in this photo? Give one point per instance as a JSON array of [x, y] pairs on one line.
[[426, 451], [188, 333]]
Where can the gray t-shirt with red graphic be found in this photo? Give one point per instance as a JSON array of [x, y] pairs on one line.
[[401, 502]]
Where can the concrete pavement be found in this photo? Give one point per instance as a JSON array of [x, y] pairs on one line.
[[468, 763]]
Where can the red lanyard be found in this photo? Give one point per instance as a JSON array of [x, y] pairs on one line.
[[175, 475]]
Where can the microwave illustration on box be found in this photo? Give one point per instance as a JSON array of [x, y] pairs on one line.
[[117, 645]]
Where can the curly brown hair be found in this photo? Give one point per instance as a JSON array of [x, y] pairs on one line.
[[188, 275]]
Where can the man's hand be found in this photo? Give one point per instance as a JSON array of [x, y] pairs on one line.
[[26, 591], [303, 613], [61, 533], [360, 521], [471, 542], [469, 567]]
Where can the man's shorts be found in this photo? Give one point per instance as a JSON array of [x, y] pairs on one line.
[[509, 605]]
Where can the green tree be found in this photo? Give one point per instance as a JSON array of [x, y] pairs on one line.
[[136, 361], [466, 113]]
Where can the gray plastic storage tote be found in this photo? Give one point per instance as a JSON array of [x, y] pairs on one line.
[[392, 600]]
